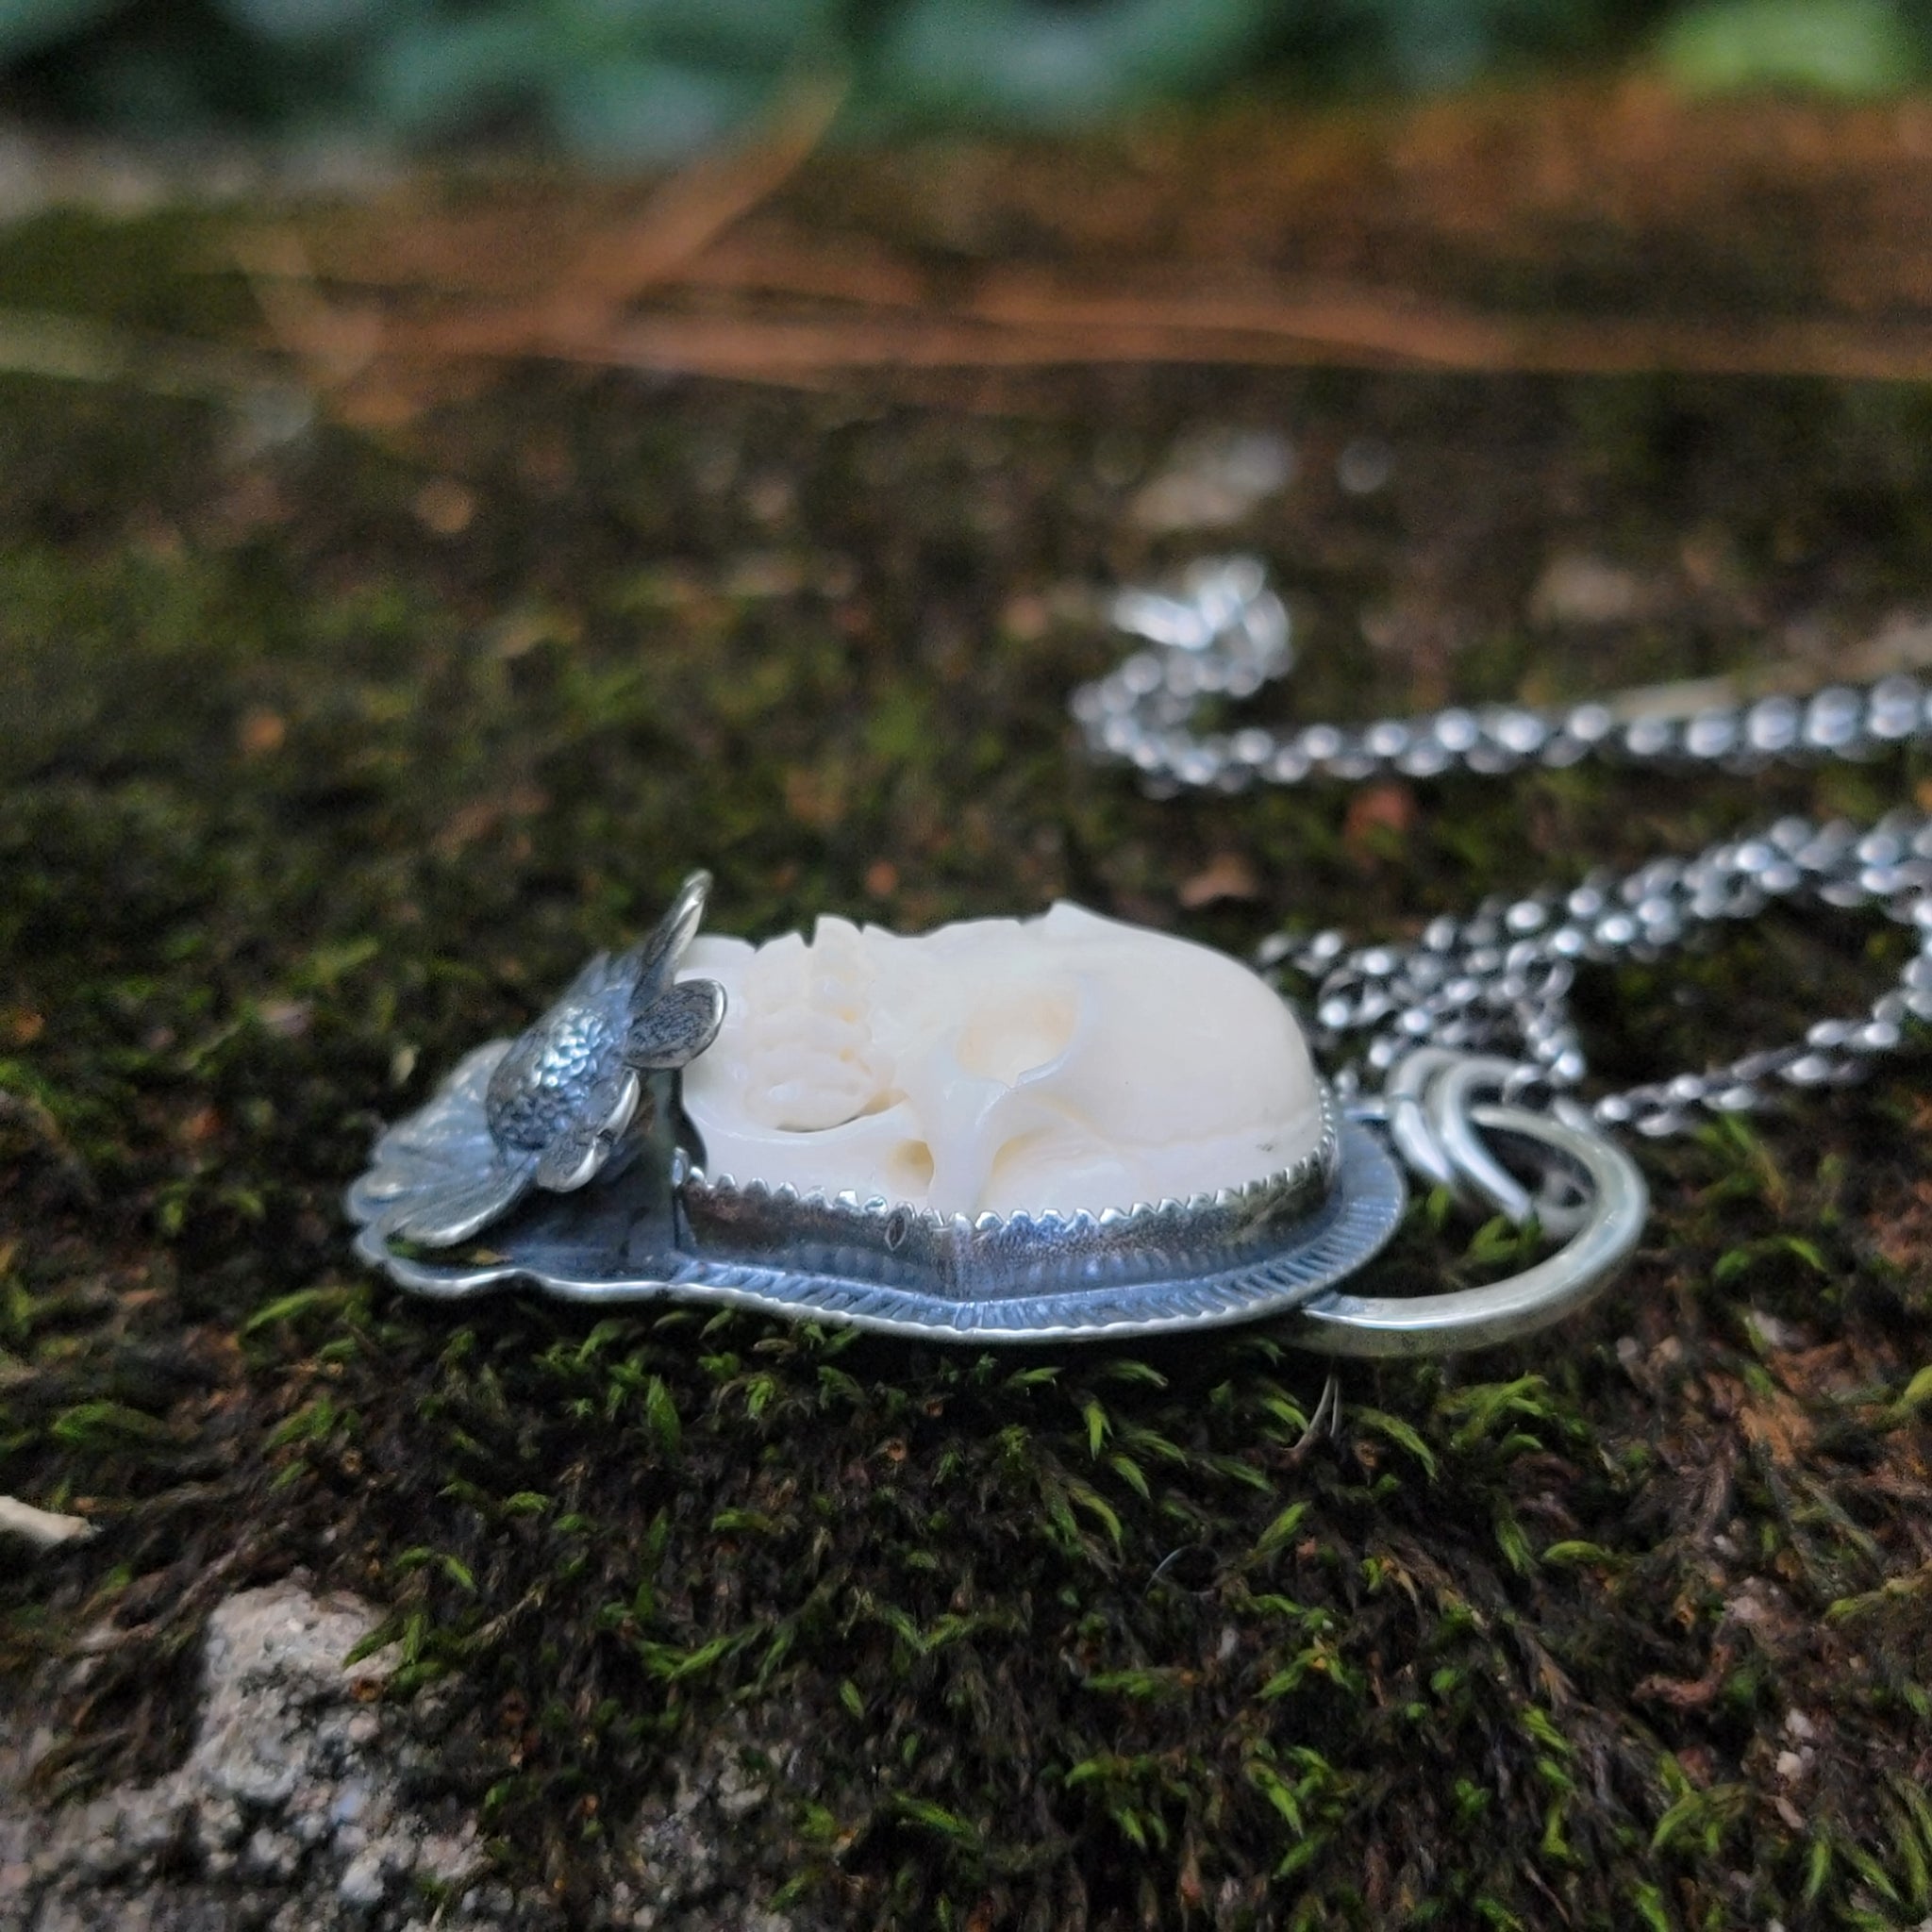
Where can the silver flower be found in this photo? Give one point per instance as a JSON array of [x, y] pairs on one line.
[[562, 1093]]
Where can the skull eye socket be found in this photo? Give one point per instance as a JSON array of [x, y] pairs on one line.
[[1017, 1031]]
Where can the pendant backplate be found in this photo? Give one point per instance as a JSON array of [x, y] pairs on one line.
[[625, 1238]]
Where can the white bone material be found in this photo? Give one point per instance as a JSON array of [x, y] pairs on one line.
[[999, 1065]]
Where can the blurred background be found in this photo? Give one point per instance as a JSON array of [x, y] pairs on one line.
[[620, 82]]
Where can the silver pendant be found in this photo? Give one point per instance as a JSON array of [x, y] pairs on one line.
[[561, 1159]]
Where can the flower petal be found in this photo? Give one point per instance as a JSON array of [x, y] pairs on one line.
[[443, 1216], [582, 1147], [600, 972], [655, 957], [677, 1025]]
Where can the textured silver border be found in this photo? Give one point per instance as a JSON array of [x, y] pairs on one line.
[[997, 1255], [623, 1239]]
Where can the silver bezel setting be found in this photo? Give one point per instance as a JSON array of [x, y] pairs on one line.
[[626, 1238], [992, 1254]]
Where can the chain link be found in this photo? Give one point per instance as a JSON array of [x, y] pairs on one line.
[[1499, 981]]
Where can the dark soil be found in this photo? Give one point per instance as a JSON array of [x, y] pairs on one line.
[[330, 750]]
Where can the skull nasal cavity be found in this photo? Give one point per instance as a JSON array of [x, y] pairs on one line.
[[1011, 1035], [908, 1168]]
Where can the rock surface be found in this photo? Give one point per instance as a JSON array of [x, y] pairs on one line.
[[302, 1807]]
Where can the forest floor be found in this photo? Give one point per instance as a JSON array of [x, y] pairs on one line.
[[397, 597]]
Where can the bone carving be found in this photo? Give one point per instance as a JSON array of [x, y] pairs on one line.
[[1061, 1062]]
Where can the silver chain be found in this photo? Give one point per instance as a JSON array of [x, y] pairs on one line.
[[1499, 980]]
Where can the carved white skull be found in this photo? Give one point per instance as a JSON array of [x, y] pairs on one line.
[[1061, 1062]]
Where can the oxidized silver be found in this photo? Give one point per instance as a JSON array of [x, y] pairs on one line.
[[522, 1122], [652, 1225], [552, 1102], [628, 1237], [1033, 1279]]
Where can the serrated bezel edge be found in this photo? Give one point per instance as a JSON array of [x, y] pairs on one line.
[[875, 1216]]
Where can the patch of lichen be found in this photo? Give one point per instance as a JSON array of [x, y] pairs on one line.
[[325, 760]]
